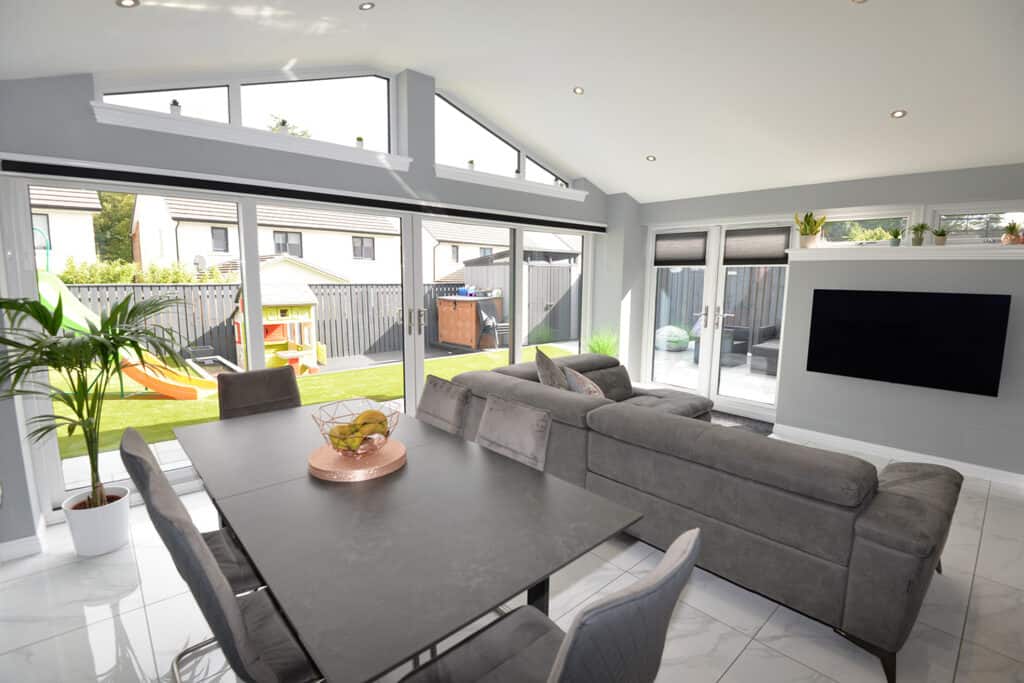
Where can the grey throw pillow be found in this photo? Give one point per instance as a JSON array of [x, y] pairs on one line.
[[515, 430], [581, 384], [550, 374], [443, 405]]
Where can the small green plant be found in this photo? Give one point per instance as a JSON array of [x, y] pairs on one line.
[[895, 233], [940, 232], [919, 229], [605, 343], [1012, 229], [809, 224]]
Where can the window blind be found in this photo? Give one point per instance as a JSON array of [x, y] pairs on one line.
[[757, 246], [681, 249]]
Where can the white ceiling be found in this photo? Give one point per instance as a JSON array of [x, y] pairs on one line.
[[730, 95]]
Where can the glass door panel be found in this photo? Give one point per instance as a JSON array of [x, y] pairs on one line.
[[552, 293], [332, 301], [466, 316], [750, 332], [678, 325]]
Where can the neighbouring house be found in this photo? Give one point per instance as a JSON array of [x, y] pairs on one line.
[[283, 269], [62, 226], [447, 246], [200, 234]]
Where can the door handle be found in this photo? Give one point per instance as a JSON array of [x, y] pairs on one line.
[[421, 318], [703, 317], [409, 320]]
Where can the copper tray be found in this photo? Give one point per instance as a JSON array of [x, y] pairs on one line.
[[327, 464]]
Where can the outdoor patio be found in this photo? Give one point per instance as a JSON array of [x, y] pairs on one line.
[[678, 369]]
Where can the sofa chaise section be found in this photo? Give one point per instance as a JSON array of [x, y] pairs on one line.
[[818, 531]]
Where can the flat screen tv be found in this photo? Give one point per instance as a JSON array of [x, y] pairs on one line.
[[942, 341]]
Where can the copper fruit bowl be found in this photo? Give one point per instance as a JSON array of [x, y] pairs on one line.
[[356, 427]]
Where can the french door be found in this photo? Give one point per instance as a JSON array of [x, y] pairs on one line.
[[715, 326]]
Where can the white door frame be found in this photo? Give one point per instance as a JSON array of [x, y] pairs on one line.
[[714, 297]]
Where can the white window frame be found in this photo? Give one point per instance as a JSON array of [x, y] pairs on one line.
[[519, 184], [233, 131], [373, 248], [227, 239], [936, 211], [914, 213]]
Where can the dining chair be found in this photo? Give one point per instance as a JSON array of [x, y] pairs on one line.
[[443, 405], [257, 391], [515, 430], [151, 482], [616, 639], [253, 636]]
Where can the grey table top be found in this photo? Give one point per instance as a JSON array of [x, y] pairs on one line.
[[371, 573]]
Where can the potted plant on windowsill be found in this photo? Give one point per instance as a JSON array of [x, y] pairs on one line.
[[939, 235], [895, 235], [78, 367], [810, 228], [1011, 233], [917, 232]]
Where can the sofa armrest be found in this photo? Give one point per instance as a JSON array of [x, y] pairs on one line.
[[898, 541]]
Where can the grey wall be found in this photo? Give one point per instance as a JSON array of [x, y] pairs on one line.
[[990, 183], [976, 429], [52, 117]]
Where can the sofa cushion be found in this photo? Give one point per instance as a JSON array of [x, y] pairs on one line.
[[913, 509], [565, 406], [614, 382], [581, 384], [550, 375], [584, 362], [670, 401], [822, 475]]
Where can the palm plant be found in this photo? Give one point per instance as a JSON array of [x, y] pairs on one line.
[[35, 341]]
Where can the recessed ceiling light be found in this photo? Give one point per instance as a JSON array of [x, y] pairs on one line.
[[366, 5], [898, 113], [858, 2], [651, 157], [127, 3], [578, 90]]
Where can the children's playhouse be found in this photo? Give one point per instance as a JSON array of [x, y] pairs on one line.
[[289, 328]]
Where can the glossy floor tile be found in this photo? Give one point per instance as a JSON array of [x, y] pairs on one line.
[[124, 616]]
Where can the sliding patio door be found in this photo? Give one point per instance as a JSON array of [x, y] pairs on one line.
[[718, 297]]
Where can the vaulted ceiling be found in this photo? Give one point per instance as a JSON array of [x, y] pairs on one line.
[[730, 95]]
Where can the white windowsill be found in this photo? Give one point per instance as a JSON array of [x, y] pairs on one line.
[[116, 115], [506, 183], [981, 252]]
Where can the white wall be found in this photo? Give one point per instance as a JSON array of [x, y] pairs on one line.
[[71, 236], [437, 256], [332, 251], [196, 239], [155, 231]]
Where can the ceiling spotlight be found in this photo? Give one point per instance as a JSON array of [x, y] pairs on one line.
[[898, 113], [858, 2], [127, 3], [651, 157], [577, 90], [367, 5]]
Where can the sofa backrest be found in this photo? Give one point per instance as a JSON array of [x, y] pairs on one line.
[[584, 363], [563, 405]]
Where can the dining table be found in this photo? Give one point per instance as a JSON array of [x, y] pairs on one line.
[[369, 575]]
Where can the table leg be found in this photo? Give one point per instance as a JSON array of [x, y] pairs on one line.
[[537, 595]]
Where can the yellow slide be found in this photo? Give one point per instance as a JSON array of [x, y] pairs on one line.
[[156, 376]]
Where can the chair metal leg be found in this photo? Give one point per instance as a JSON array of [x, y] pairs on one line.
[[938, 567], [888, 659], [186, 653]]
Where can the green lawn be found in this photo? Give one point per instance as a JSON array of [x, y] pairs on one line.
[[155, 416]]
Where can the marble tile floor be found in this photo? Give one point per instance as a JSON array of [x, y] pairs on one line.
[[123, 616]]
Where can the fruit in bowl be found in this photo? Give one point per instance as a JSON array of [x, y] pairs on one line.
[[356, 427]]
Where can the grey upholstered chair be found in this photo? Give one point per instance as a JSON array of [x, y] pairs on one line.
[[151, 482], [515, 430], [254, 638], [257, 391], [616, 639], [443, 405]]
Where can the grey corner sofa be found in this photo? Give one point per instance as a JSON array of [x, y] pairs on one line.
[[567, 442], [823, 533]]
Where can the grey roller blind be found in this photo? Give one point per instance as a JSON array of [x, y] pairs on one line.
[[681, 249], [757, 246]]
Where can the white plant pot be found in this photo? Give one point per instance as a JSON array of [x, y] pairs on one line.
[[97, 531], [809, 241], [940, 240]]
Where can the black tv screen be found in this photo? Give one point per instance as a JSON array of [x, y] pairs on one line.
[[942, 341]]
